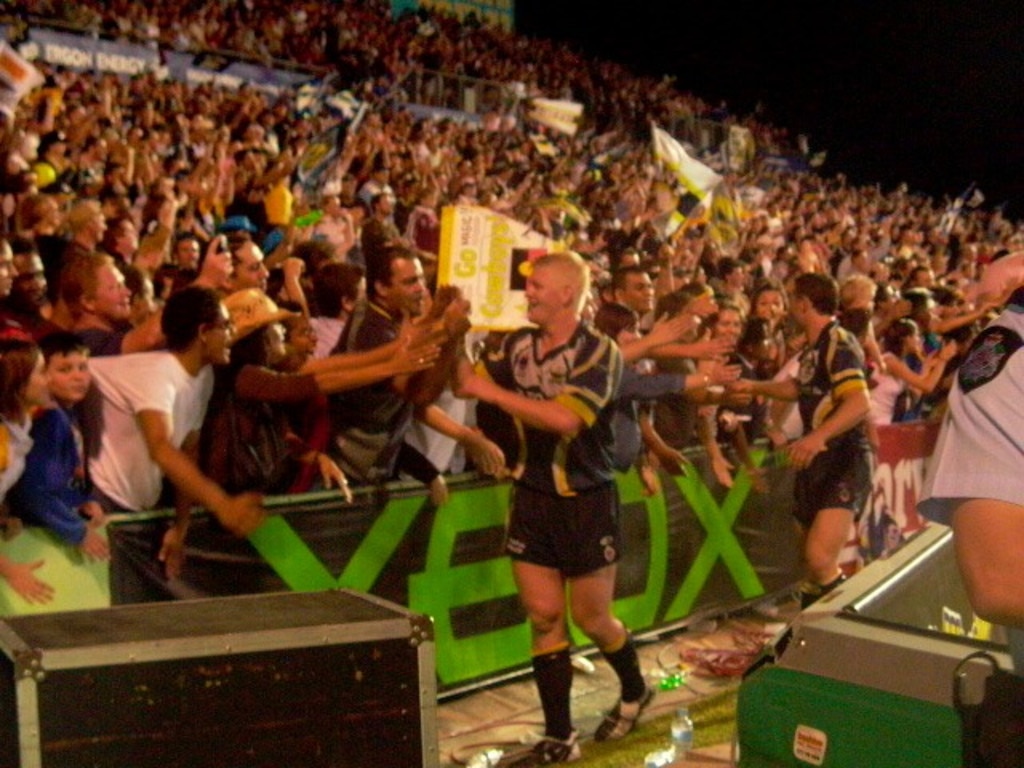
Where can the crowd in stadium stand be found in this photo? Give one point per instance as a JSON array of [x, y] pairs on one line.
[[119, 193]]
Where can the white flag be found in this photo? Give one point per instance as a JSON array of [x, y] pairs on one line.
[[563, 116], [17, 77], [698, 179]]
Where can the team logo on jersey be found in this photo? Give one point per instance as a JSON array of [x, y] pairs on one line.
[[844, 493], [808, 366], [608, 542], [987, 356]]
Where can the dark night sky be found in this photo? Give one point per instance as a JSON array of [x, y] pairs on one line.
[[931, 93]]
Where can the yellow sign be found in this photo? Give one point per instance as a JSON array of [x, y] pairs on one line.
[[487, 256]]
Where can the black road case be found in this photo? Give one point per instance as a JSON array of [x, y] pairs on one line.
[[334, 679]]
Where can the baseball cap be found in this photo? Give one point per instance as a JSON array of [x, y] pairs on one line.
[[237, 224]]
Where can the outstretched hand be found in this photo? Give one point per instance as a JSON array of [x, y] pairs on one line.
[[670, 459], [712, 348], [456, 318], [488, 458], [443, 297], [242, 514], [172, 551], [94, 546], [722, 468], [23, 580], [331, 475], [415, 351], [669, 329]]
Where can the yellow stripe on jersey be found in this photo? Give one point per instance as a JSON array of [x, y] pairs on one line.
[[576, 400], [5, 447], [850, 385], [558, 464]]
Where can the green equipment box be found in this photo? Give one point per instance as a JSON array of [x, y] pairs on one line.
[[864, 678]]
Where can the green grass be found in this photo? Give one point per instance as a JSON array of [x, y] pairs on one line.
[[714, 722]]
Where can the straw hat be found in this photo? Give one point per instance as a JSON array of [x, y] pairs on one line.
[[251, 309]]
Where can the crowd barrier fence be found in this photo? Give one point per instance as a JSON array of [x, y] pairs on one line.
[[693, 550]]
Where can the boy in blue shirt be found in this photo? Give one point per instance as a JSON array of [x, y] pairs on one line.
[[54, 491]]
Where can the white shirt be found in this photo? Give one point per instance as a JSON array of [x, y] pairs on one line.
[[883, 397], [980, 450], [130, 384], [328, 331]]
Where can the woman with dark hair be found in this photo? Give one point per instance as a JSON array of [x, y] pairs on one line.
[[756, 347], [247, 442], [54, 491], [898, 389], [738, 422], [769, 302], [675, 416], [22, 388]]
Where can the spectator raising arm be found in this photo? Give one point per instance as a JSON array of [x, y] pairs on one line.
[[240, 514]]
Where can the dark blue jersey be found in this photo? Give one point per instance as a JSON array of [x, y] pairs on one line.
[[583, 375], [829, 370]]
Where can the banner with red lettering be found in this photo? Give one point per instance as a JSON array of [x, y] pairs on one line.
[[892, 514]]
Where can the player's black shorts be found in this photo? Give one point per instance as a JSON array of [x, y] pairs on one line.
[[835, 479], [574, 534]]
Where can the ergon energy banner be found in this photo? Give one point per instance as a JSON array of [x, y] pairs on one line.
[[83, 52], [89, 53]]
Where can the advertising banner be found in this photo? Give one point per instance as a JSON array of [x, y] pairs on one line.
[[79, 53], [694, 549], [488, 256], [228, 73], [82, 52], [891, 516]]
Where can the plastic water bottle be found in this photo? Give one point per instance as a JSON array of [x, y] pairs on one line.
[[485, 759], [660, 758], [682, 733]]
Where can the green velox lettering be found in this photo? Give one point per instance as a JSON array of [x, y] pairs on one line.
[[446, 585], [721, 542]]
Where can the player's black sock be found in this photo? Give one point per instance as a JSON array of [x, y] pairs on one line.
[[553, 673], [626, 664]]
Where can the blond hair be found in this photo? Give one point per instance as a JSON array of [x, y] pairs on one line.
[[575, 270], [857, 291], [79, 279]]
